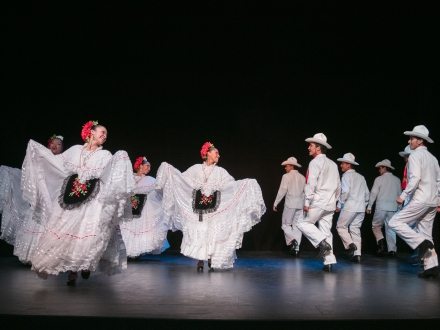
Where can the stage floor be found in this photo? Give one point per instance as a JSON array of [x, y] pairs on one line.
[[262, 286]]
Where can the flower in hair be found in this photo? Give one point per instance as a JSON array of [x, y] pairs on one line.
[[85, 132], [205, 149], [139, 161]]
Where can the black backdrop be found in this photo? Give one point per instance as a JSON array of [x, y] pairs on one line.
[[254, 80]]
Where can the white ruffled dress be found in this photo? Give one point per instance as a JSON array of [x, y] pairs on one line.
[[12, 206], [221, 232], [86, 237], [148, 232]]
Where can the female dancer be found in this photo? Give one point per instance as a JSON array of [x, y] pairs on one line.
[[211, 209], [145, 230], [79, 197], [18, 229]]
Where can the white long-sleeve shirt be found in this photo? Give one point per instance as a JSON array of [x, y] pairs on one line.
[[323, 185], [292, 186], [423, 178], [386, 189], [354, 192]]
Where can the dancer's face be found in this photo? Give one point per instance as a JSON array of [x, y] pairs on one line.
[[345, 166], [382, 170], [415, 142], [56, 146], [213, 156], [313, 149], [144, 168], [288, 168], [99, 135]]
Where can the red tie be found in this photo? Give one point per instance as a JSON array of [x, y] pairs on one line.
[[405, 177]]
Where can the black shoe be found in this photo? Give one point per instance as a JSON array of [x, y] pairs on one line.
[[431, 272], [392, 254], [209, 263], [293, 245], [324, 249], [423, 248], [71, 280], [356, 259], [200, 265], [85, 274], [351, 248], [327, 268], [381, 247], [294, 253]]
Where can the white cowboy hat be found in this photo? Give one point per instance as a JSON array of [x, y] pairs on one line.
[[348, 158], [420, 131], [290, 161], [406, 152], [319, 138], [385, 163]]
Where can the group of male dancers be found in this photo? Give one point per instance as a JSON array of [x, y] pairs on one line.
[[406, 208]]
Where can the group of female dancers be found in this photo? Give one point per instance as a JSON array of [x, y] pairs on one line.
[[84, 210]]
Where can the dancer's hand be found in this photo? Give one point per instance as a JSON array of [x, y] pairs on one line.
[[337, 209], [274, 208], [306, 209], [438, 209], [368, 211], [399, 200]]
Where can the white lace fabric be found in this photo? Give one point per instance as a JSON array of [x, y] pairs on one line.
[[221, 232], [148, 233], [77, 239]]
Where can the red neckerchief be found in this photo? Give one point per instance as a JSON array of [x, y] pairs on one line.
[[307, 173], [405, 177]]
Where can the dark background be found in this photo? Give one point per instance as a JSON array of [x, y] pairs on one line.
[[255, 80]]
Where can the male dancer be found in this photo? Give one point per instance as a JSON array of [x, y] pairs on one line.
[[386, 189], [321, 193], [353, 201], [292, 186], [423, 185]]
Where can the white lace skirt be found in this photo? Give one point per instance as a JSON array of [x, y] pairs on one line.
[[221, 232], [12, 205], [148, 233], [76, 239]]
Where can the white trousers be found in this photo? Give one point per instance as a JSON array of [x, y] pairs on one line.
[[349, 229], [315, 235], [424, 217], [290, 225], [379, 219]]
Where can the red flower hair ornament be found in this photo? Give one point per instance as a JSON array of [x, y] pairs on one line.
[[87, 127], [139, 161], [53, 137], [205, 149]]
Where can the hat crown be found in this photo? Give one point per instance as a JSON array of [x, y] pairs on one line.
[[408, 149], [421, 129], [320, 136], [349, 156], [386, 162], [292, 159]]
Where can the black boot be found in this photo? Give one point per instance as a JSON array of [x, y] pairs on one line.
[[431, 272], [293, 250], [356, 259], [351, 248], [423, 248], [324, 249], [392, 254], [327, 268], [381, 247]]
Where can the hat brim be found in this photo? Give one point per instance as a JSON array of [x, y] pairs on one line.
[[385, 165], [404, 154], [420, 135], [319, 141], [342, 160], [290, 163]]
